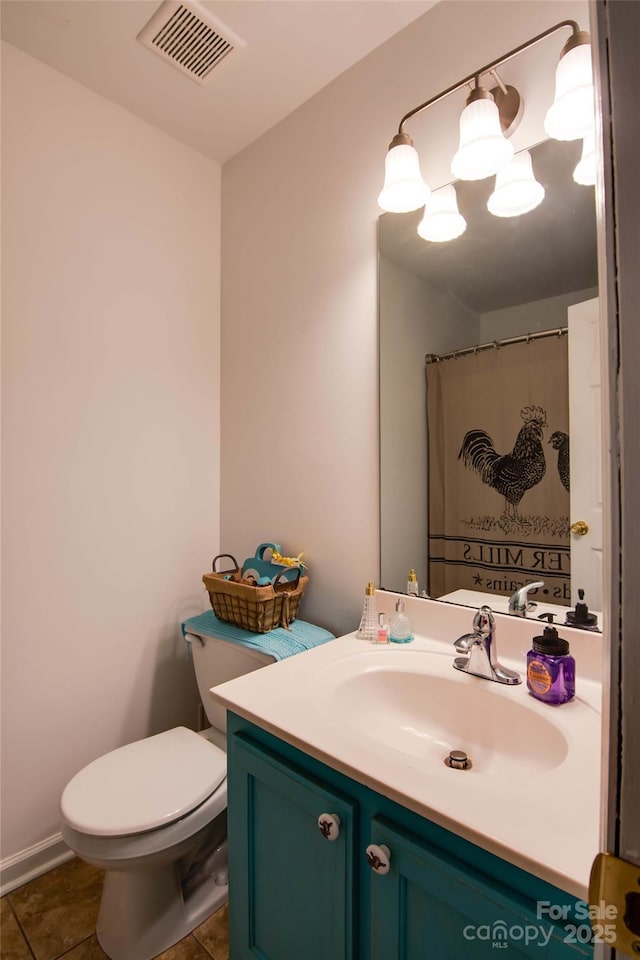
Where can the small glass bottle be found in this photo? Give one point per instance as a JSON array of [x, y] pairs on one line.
[[382, 635], [400, 628], [368, 629], [551, 671], [412, 584]]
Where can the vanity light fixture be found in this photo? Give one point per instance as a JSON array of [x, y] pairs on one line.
[[442, 220], [516, 191], [404, 189], [585, 171], [571, 115], [483, 150], [570, 118]]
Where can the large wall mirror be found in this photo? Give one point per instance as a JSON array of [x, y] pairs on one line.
[[490, 448]]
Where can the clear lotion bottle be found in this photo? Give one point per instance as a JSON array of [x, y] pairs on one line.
[[400, 627]]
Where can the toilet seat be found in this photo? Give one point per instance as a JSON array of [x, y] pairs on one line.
[[144, 785]]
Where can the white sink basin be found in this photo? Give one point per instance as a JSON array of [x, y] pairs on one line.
[[414, 702]]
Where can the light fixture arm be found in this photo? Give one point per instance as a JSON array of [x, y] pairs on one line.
[[474, 77]]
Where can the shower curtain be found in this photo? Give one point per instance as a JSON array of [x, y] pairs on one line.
[[498, 470]]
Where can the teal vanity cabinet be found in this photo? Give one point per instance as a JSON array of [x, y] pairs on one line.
[[308, 880], [431, 906], [292, 886]]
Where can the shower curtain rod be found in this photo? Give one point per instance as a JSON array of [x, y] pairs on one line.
[[495, 344]]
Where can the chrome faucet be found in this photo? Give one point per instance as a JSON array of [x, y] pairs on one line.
[[480, 647], [519, 603]]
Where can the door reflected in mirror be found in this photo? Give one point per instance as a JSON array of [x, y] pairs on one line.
[[490, 444]]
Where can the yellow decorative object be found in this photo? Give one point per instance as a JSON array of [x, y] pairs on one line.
[[288, 561]]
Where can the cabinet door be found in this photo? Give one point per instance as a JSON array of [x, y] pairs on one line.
[[290, 887], [431, 907]]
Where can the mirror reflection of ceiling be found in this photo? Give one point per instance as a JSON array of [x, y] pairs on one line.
[[544, 253]]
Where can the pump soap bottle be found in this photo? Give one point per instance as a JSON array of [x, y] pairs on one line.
[[581, 616], [551, 671]]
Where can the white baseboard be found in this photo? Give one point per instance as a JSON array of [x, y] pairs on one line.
[[32, 862]]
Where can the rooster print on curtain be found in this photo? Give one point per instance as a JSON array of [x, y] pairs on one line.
[[560, 442], [514, 473]]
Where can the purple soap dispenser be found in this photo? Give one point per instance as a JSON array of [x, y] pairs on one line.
[[551, 671]]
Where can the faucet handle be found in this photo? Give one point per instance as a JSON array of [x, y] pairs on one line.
[[484, 621]]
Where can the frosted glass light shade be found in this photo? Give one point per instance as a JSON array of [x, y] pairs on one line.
[[483, 149], [404, 189], [572, 114], [516, 191], [585, 172], [442, 220]]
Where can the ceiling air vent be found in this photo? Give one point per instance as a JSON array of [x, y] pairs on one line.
[[186, 35]]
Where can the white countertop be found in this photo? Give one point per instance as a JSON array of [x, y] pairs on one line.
[[545, 822]]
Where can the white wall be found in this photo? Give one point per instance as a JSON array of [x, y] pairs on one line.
[[110, 432], [416, 318], [531, 317], [299, 298]]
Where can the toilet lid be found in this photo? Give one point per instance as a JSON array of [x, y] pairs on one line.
[[144, 785]]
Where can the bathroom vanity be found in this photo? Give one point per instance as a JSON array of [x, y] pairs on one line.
[[351, 838]]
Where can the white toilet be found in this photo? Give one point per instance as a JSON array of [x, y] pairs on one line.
[[152, 814]]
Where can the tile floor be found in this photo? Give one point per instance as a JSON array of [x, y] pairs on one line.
[[55, 916]]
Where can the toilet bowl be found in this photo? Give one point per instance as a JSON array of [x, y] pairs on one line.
[[152, 815]]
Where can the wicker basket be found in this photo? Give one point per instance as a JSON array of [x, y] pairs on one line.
[[258, 609]]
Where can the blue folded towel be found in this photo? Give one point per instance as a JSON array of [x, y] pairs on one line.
[[278, 643]]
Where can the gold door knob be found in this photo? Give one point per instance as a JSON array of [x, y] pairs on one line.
[[580, 528]]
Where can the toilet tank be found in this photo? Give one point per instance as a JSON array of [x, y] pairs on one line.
[[216, 661]]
